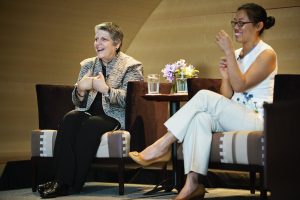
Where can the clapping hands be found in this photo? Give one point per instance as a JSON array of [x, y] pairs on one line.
[[223, 68], [86, 82], [99, 84], [224, 42], [89, 82], [226, 45]]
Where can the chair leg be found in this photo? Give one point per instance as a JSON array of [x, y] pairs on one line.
[[263, 195], [121, 176], [252, 175], [263, 191], [34, 174]]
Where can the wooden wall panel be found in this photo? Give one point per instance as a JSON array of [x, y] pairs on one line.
[[285, 39], [186, 29]]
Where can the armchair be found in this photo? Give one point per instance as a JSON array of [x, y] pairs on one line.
[[260, 152], [282, 138], [224, 149], [141, 126]]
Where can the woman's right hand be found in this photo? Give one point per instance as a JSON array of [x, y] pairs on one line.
[[86, 82], [225, 43]]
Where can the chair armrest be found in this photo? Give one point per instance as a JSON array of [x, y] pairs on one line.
[[196, 84], [42, 143], [114, 144], [238, 147]]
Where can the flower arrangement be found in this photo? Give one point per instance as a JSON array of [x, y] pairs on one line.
[[179, 69]]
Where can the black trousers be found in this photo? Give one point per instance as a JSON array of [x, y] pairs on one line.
[[76, 145]]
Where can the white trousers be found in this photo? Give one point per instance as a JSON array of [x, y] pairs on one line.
[[205, 113]]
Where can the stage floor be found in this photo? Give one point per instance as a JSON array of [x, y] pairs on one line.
[[109, 191]]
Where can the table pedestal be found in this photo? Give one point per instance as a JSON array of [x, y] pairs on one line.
[[171, 183]]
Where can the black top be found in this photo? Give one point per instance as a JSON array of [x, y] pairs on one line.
[[96, 107]]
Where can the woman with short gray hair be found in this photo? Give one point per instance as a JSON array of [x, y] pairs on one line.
[[99, 97]]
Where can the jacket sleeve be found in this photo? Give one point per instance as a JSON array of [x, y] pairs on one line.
[[118, 96], [85, 66]]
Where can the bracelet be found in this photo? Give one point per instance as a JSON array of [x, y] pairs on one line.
[[77, 93]]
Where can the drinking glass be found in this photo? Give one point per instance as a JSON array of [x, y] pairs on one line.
[[153, 83]]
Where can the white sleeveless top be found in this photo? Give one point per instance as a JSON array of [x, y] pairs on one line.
[[255, 97]]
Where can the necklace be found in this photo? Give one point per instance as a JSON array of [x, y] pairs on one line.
[[242, 55]]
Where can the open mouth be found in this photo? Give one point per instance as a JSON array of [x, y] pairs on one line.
[[100, 50], [237, 34]]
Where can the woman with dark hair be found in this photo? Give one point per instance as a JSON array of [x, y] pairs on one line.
[[247, 82], [99, 96]]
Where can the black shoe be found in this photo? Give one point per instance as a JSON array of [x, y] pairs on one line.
[[41, 188], [57, 189]]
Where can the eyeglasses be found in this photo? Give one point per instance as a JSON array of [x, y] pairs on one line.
[[240, 24]]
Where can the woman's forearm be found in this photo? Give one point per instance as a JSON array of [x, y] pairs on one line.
[[236, 77], [226, 89]]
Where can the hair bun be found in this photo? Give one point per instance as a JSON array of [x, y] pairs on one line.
[[270, 21]]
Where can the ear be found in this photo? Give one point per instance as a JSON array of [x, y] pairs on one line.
[[259, 26], [117, 45]]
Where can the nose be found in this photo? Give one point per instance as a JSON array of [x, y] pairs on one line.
[[97, 44]]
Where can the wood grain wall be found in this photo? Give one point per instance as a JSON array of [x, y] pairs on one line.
[[187, 29], [43, 41]]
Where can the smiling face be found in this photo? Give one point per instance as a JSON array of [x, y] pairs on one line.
[[104, 45], [248, 32]]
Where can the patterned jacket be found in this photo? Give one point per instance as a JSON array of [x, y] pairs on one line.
[[120, 70]]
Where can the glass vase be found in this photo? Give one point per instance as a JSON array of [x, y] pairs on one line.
[[173, 88], [181, 85]]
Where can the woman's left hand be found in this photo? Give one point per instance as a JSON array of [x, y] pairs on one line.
[[99, 84], [224, 42], [223, 68]]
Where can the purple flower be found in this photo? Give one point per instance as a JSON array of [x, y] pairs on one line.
[[170, 69], [179, 67], [168, 72]]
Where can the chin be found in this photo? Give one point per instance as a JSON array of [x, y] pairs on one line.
[[100, 56], [238, 39]]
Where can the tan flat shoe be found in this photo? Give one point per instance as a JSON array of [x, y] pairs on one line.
[[137, 158], [197, 194]]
